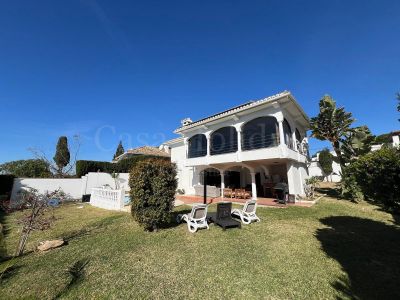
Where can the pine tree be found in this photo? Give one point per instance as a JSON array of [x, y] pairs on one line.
[[62, 156], [120, 150]]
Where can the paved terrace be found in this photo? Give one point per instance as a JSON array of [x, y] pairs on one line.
[[271, 202]]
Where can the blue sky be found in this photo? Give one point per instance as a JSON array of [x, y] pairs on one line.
[[131, 70]]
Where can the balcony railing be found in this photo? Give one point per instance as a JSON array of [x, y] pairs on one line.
[[193, 153], [258, 142], [224, 147]]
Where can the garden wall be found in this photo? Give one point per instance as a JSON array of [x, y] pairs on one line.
[[97, 179], [74, 187], [71, 186]]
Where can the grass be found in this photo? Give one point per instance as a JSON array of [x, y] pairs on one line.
[[335, 249]]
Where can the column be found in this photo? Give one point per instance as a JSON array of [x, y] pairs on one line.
[[281, 134], [222, 173], [208, 144], [291, 177], [239, 139], [294, 140], [253, 185], [185, 142]]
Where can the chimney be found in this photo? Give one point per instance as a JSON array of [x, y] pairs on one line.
[[186, 121]]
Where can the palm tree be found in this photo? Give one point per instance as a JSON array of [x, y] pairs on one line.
[[358, 142], [332, 124]]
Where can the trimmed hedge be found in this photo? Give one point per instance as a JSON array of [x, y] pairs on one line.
[[153, 184], [6, 184], [123, 166]]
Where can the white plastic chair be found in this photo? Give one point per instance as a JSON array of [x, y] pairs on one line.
[[248, 213], [196, 219]]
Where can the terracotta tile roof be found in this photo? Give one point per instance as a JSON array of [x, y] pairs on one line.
[[144, 150], [148, 150]]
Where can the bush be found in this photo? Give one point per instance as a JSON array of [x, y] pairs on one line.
[[325, 161], [376, 177], [30, 168], [85, 166], [123, 166], [153, 184], [6, 184]]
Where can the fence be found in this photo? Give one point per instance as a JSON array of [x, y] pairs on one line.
[[107, 198]]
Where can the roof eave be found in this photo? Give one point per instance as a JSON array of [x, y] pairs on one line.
[[233, 111]]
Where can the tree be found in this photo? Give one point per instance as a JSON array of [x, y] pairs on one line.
[[357, 142], [325, 160], [62, 156], [61, 165], [39, 214], [153, 185], [30, 168], [332, 124], [385, 138], [120, 150]]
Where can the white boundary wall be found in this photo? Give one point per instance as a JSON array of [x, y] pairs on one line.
[[74, 187], [71, 186], [97, 179]]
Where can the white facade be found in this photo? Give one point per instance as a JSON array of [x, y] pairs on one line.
[[252, 154]]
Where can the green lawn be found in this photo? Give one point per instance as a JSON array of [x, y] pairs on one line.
[[335, 249]]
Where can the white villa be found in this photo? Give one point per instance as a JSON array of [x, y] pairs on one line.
[[251, 146]]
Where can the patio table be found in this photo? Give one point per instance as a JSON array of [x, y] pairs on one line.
[[223, 216]]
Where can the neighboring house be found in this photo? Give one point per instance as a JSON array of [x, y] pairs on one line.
[[144, 150], [394, 141], [315, 169], [249, 146]]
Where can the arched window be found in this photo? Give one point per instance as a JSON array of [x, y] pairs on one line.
[[197, 146], [224, 140], [259, 133], [287, 132]]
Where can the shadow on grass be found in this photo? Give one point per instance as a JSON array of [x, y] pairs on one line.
[[96, 226], [8, 272], [368, 252], [333, 192], [173, 219], [76, 275], [3, 232]]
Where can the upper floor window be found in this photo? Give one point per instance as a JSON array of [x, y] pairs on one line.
[[197, 146], [224, 140], [287, 132], [259, 133]]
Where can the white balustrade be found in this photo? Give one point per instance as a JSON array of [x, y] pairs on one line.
[[107, 198]]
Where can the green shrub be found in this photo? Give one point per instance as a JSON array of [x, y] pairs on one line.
[[123, 166], [85, 166], [29, 168], [6, 184], [153, 184], [376, 177]]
